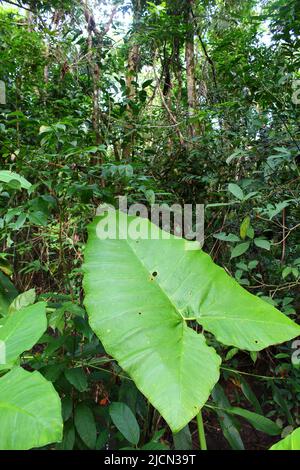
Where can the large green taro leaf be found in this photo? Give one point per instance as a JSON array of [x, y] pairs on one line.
[[30, 411], [291, 442], [140, 295], [21, 329]]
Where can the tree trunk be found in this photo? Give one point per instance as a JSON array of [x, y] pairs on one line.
[[190, 65], [133, 60]]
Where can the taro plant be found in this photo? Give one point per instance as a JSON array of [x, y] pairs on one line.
[[30, 409], [150, 302]]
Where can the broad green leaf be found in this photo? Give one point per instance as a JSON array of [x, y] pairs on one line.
[[240, 249], [261, 243], [21, 329], [77, 378], [236, 191], [141, 295], [30, 411], [291, 442], [85, 425], [8, 176], [125, 421]]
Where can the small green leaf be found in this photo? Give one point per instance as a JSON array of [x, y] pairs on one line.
[[228, 423], [67, 408], [183, 439], [226, 238], [85, 425], [253, 264], [8, 176], [231, 353], [77, 378], [23, 300], [69, 438], [45, 129], [261, 423], [20, 221], [250, 232], [261, 243], [38, 218], [236, 191], [254, 355], [286, 272], [125, 421], [250, 395], [240, 249], [102, 439], [244, 227]]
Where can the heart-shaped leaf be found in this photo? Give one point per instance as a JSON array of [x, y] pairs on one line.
[[30, 411], [141, 295]]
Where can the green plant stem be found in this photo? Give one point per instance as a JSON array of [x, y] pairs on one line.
[[201, 432]]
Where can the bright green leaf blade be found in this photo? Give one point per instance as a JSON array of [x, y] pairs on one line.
[[135, 317], [30, 411], [85, 425], [125, 421], [22, 329], [139, 296], [236, 317], [291, 442], [7, 176]]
